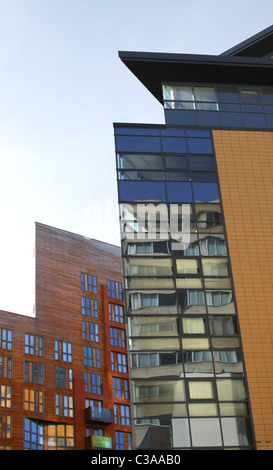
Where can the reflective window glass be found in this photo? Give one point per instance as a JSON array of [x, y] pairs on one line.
[[250, 96], [199, 145], [179, 192], [232, 119], [141, 190], [138, 144], [197, 362], [177, 176], [158, 390], [254, 120], [148, 267], [195, 343], [176, 162], [236, 431], [154, 344], [228, 94], [231, 390], [223, 326], [178, 92], [140, 175], [205, 192], [152, 326], [203, 409], [193, 325], [134, 162], [268, 96], [215, 267], [180, 433], [208, 176], [137, 131], [201, 162], [174, 145], [200, 435], [185, 266], [201, 390]]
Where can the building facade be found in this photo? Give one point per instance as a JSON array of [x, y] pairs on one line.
[[63, 373], [195, 199]]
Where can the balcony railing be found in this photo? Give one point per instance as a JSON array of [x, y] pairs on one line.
[[98, 415]]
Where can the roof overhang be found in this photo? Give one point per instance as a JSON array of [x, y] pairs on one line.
[[153, 69]]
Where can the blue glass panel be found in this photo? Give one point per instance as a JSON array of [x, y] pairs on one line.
[[269, 108], [180, 117], [229, 107], [174, 145], [178, 176], [141, 190], [253, 108], [172, 132], [136, 131], [228, 94], [199, 145], [205, 192], [208, 118], [209, 176], [269, 119], [179, 192], [232, 119], [179, 162], [254, 120], [201, 162], [138, 144], [197, 133], [268, 96]]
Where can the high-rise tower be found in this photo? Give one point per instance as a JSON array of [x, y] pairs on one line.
[[199, 295]]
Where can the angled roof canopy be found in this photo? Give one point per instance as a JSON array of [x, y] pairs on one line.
[[231, 67]]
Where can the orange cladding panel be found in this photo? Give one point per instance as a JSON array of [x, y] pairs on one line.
[[245, 166]]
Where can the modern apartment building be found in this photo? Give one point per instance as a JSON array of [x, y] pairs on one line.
[[196, 200], [63, 373]]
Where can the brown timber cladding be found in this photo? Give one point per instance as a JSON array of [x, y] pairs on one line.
[[61, 257]]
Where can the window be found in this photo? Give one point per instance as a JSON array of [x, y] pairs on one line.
[[90, 307], [122, 415], [117, 337], [119, 362], [5, 396], [90, 331], [142, 162], [63, 351], [92, 383], [116, 313], [33, 345], [115, 289], [91, 357], [120, 388], [60, 436], [5, 339], [64, 405], [5, 367], [63, 378], [89, 283], [34, 435], [5, 427], [33, 400], [34, 372], [123, 440]]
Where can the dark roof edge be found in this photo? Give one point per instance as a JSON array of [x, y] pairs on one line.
[[244, 46], [165, 57]]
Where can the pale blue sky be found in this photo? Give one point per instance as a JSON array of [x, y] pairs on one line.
[[62, 86]]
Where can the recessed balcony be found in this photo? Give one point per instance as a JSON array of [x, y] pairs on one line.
[[102, 416]]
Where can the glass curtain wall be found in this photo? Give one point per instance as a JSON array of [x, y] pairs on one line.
[[185, 355]]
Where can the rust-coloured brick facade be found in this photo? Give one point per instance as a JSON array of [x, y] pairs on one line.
[[245, 167], [64, 374]]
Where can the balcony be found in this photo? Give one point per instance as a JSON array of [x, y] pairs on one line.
[[94, 415], [98, 442]]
